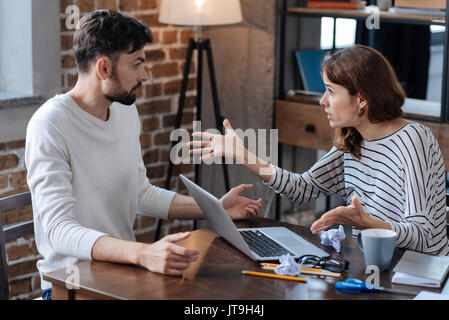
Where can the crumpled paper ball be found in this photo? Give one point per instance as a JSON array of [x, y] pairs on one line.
[[333, 237], [287, 266]]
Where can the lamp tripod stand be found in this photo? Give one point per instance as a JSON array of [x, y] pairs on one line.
[[200, 45]]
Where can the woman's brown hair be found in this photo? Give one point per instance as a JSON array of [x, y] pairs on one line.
[[366, 72]]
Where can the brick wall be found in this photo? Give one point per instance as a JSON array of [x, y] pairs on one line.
[[157, 106]]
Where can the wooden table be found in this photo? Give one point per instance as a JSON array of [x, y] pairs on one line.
[[217, 275]]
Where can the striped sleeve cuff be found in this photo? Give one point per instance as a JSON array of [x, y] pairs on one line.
[[395, 227], [273, 176]]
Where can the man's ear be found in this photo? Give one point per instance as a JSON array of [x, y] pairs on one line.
[[103, 68]]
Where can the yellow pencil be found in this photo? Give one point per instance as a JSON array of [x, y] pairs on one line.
[[269, 264], [274, 276]]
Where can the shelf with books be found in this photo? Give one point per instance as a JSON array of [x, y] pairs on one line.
[[361, 14]]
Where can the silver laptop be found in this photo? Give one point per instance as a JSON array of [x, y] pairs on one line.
[[260, 244]]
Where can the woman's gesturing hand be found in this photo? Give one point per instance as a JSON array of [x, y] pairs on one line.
[[212, 145], [353, 215]]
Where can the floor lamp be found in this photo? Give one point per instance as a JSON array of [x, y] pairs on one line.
[[198, 13]]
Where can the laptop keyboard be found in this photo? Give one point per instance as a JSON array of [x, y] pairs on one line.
[[262, 245]]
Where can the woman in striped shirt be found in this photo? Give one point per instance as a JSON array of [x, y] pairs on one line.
[[390, 171]]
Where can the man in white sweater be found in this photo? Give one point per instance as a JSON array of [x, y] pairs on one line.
[[85, 168]]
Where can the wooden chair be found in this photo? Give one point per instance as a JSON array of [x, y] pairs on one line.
[[12, 233]]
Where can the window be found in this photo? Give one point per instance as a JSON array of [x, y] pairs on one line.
[[345, 32], [434, 86], [30, 47], [30, 62]]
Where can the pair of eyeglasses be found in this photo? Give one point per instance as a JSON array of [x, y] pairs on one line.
[[325, 263]]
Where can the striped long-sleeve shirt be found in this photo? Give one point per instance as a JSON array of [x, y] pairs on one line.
[[399, 179]]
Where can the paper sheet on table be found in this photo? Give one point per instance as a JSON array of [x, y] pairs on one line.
[[427, 295]]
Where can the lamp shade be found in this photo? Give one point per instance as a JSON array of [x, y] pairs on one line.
[[200, 12]]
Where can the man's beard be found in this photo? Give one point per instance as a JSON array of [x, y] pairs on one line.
[[117, 94]]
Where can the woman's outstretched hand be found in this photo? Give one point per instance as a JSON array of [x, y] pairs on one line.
[[213, 146]]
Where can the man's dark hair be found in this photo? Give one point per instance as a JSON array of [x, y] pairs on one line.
[[109, 33]]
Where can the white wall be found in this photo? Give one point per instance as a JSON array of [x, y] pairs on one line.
[[244, 59]]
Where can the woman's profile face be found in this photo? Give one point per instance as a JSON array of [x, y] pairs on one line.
[[342, 109]]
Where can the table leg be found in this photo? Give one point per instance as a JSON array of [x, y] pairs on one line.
[[61, 293]]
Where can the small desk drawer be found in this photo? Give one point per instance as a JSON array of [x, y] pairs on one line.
[[303, 125]]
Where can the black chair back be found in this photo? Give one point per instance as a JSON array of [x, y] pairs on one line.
[[11, 233]]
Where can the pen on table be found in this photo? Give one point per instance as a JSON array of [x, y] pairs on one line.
[[273, 276], [356, 286], [304, 270]]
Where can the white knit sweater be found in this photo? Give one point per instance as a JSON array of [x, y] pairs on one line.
[[87, 179]]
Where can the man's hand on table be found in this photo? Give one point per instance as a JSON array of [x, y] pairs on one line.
[[166, 257]]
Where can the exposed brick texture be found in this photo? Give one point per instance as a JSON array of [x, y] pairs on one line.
[[155, 55], [18, 179], [154, 107], [170, 36], [157, 103], [68, 61], [174, 86], [148, 4], [150, 124], [128, 5], [8, 161], [165, 70], [3, 181], [85, 5], [110, 4], [16, 144]]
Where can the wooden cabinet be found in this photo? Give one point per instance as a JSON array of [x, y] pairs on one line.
[[303, 125], [306, 125]]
